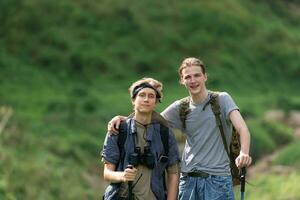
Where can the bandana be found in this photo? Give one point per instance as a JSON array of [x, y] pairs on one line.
[[138, 88]]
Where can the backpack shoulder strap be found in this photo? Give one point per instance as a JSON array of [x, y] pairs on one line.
[[121, 139], [215, 106], [184, 109], [164, 135]]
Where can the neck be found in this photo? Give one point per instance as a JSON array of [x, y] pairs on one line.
[[199, 97], [143, 118]]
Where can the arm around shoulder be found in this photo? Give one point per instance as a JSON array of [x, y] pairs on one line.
[[114, 123]]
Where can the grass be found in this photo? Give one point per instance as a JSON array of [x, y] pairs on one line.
[[270, 186]]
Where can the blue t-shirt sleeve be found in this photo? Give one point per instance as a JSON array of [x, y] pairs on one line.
[[111, 152]]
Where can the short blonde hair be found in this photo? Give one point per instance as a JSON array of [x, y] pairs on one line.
[[189, 62], [153, 82]]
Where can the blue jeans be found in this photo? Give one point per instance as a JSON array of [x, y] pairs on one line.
[[210, 188]]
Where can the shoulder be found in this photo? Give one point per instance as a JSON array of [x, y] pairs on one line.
[[219, 93], [173, 107], [223, 96], [181, 103], [177, 103]]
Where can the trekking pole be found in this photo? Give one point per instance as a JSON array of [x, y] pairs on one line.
[[130, 195], [243, 180]]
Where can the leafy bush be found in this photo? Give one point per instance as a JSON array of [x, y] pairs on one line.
[[261, 142], [290, 155], [287, 104], [280, 133]]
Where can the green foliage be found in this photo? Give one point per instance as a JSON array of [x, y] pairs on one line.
[[287, 104], [280, 133], [290, 155], [66, 66], [267, 137], [261, 142], [269, 186], [87, 39]]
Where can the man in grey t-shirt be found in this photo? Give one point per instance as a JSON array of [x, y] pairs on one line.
[[205, 165], [203, 141]]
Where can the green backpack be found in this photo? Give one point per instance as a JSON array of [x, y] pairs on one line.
[[234, 148]]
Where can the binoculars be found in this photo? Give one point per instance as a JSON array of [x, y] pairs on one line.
[[138, 158]]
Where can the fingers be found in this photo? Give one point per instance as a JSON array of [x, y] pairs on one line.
[[113, 125], [243, 161], [117, 125], [109, 129], [130, 174]]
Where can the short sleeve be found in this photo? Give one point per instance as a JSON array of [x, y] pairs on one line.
[[111, 152], [173, 169], [227, 104], [171, 114], [173, 150]]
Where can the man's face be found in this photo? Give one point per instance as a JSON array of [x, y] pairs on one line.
[[145, 101], [193, 79]]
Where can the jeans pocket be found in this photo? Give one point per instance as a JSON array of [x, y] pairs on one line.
[[221, 183]]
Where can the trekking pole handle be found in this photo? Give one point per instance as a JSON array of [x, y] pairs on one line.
[[243, 178]]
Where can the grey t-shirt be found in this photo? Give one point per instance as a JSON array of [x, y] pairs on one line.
[[204, 149]]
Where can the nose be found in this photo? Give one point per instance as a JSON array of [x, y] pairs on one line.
[[146, 98], [192, 79]]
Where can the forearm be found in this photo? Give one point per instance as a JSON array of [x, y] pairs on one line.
[[245, 140], [113, 176], [172, 186]]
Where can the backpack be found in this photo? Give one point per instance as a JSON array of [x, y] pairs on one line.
[[234, 148]]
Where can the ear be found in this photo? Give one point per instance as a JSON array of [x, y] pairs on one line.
[[181, 81], [133, 101], [205, 76]]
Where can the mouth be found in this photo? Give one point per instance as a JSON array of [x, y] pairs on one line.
[[193, 87]]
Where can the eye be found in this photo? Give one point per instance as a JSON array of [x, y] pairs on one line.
[[198, 75], [187, 77], [152, 96], [141, 94]]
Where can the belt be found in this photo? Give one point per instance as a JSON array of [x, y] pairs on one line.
[[197, 174]]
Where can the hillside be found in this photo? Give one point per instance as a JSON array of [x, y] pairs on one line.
[[66, 66]]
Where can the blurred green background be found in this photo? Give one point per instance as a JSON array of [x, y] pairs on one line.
[[65, 67]]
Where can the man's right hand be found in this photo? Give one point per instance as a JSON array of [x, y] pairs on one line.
[[114, 123], [129, 174]]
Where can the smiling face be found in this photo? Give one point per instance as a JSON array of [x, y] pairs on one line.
[[194, 80], [145, 101]]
